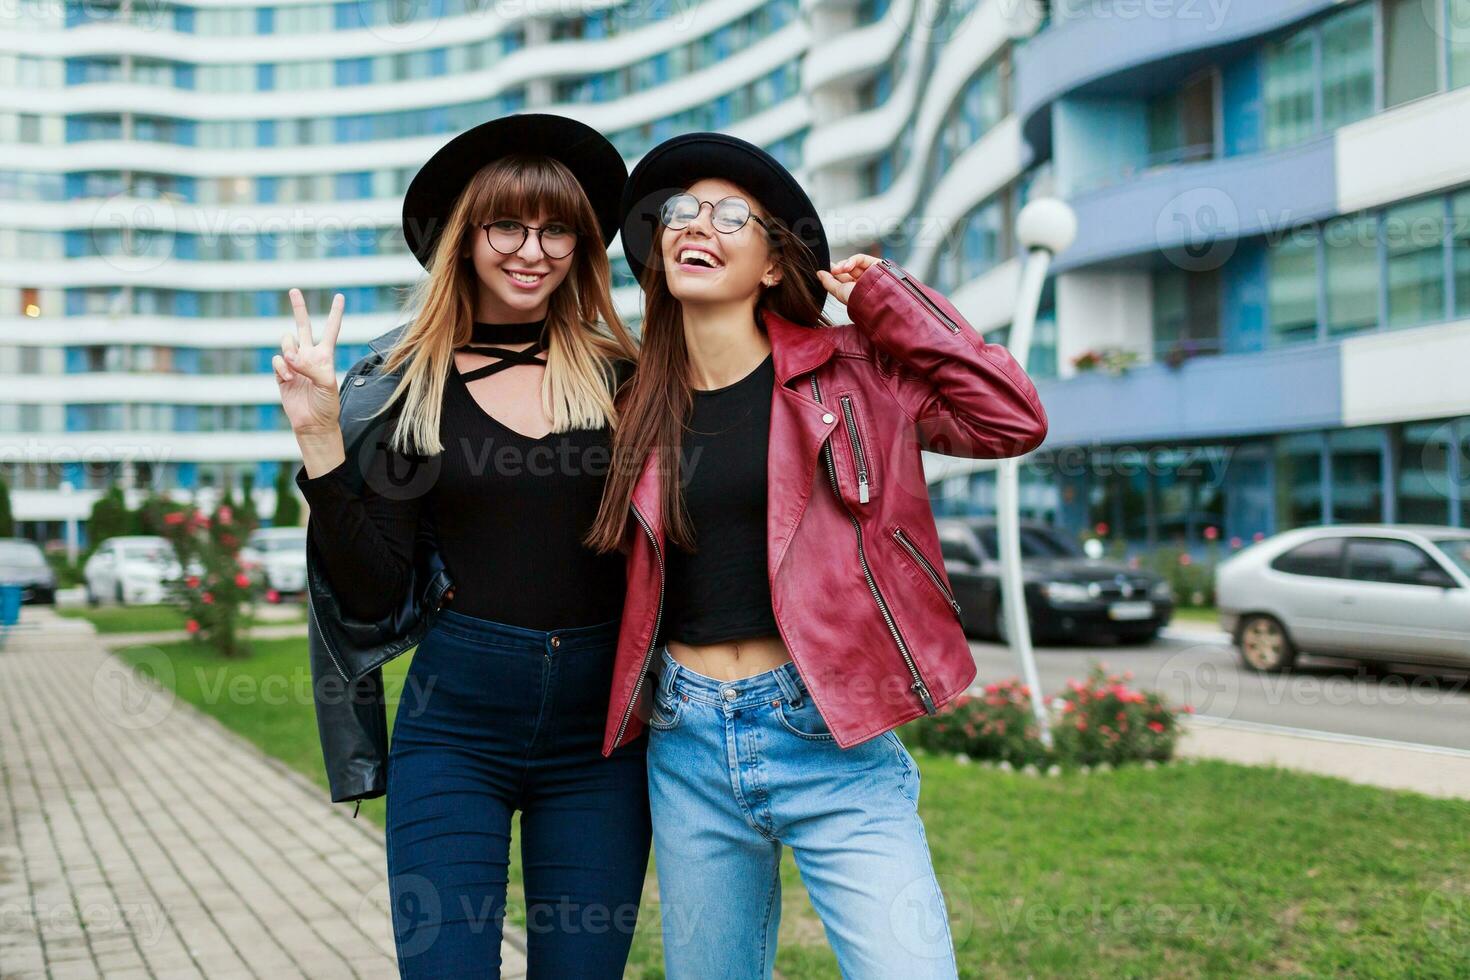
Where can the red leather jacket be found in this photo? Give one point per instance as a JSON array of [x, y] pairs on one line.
[[858, 587]]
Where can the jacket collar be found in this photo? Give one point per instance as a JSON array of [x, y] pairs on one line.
[[795, 348]]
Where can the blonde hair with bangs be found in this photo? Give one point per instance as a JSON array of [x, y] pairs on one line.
[[584, 332]]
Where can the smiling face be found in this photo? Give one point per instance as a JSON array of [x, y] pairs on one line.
[[704, 266], [517, 287]]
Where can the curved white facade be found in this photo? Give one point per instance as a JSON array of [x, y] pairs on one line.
[[169, 174]]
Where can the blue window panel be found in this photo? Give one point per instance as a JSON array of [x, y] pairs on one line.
[[186, 246], [661, 71], [265, 302], [184, 20], [266, 189], [1244, 298], [186, 360], [438, 61], [75, 243], [1242, 104], [265, 20], [265, 77], [76, 360], [345, 16], [188, 188], [184, 77], [75, 185], [354, 186], [265, 132], [352, 71], [436, 9], [72, 472], [265, 472], [186, 303], [186, 130], [188, 473], [76, 302], [263, 357], [76, 421], [266, 248], [76, 70]]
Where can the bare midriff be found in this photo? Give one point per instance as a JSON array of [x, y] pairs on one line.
[[732, 660]]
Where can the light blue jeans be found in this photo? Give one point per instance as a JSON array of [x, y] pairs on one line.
[[738, 768]]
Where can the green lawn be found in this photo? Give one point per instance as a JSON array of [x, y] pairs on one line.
[[1198, 614], [1202, 869], [141, 619]]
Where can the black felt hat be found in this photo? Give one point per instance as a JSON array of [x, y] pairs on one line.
[[596, 164], [674, 164]]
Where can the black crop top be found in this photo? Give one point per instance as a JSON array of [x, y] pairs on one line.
[[509, 512], [721, 591]]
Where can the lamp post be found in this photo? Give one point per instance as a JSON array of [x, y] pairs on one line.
[[1044, 227]]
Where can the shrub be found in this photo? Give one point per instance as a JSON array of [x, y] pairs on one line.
[[1100, 720], [215, 589]]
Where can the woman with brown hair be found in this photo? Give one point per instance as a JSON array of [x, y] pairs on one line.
[[497, 402], [787, 607]]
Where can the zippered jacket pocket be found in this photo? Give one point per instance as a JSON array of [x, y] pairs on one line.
[[927, 568]]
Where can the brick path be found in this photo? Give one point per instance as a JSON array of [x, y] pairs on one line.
[[140, 838]]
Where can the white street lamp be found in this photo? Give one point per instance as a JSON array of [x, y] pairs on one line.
[[1044, 227]]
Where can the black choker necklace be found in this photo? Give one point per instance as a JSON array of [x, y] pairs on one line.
[[506, 333], [484, 336]]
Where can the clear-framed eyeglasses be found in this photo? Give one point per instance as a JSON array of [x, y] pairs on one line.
[[727, 215]]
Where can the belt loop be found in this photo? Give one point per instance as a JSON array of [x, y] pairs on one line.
[[788, 686], [669, 669]]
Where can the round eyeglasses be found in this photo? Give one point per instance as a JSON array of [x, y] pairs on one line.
[[507, 236], [727, 215]]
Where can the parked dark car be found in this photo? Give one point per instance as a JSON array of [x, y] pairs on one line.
[[1069, 595], [22, 563]]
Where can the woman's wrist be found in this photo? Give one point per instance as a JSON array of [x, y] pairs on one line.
[[321, 451]]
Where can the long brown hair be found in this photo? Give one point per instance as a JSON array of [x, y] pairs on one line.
[[584, 333], [655, 405]]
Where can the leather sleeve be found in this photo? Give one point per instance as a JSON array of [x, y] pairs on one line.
[[966, 397]]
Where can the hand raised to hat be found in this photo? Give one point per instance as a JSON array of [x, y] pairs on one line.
[[845, 274], [305, 370]]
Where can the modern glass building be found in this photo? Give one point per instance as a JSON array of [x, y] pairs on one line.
[[1274, 252], [1265, 320]]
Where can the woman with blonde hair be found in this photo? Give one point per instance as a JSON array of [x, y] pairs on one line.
[[480, 432]]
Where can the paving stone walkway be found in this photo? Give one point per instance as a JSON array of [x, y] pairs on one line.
[[140, 838]]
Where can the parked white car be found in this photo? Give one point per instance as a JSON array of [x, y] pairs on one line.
[[131, 569], [1375, 593], [276, 557]]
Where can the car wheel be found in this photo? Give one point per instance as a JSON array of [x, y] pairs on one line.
[[1139, 636], [1264, 645], [92, 599], [117, 593]]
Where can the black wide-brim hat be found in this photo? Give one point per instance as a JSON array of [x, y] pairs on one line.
[[674, 164], [595, 162]]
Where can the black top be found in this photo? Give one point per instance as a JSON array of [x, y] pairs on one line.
[[509, 512], [721, 592]]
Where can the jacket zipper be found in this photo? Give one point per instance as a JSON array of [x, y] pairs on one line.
[[657, 619], [929, 569], [918, 686], [903, 279], [857, 448], [331, 650]]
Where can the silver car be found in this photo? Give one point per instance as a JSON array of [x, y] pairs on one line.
[[1374, 592]]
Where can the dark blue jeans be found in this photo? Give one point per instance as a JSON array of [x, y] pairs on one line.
[[496, 718]]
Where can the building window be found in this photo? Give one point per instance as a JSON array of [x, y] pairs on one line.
[[1355, 457], [1423, 484], [1290, 91], [1460, 243], [1181, 123], [1459, 19], [1298, 480], [1347, 66], [1414, 239], [1351, 257], [1292, 290], [1411, 42], [1186, 314]]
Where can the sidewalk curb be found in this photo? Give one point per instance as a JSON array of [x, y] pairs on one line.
[[1432, 770]]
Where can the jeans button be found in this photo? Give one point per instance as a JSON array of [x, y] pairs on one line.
[[730, 694], [555, 642]]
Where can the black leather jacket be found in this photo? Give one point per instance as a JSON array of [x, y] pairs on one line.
[[347, 655]]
